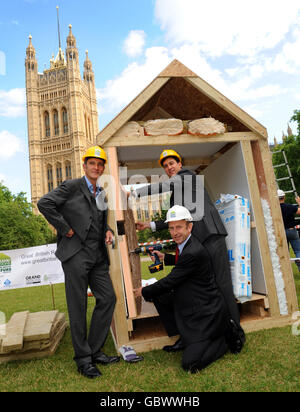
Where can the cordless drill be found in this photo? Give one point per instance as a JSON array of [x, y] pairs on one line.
[[157, 266]]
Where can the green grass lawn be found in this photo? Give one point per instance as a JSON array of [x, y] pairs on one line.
[[270, 360]]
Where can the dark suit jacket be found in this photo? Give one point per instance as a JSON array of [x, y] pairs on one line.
[[210, 223], [199, 307], [69, 206]]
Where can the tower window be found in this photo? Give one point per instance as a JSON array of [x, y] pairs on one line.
[[50, 178], [58, 174], [47, 124], [68, 171], [56, 124], [89, 123], [65, 120]]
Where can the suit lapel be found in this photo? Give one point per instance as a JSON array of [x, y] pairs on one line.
[[185, 246], [85, 189]]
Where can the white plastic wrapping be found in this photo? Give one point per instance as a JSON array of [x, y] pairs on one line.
[[235, 213]]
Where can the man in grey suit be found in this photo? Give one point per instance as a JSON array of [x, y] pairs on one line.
[[77, 209]]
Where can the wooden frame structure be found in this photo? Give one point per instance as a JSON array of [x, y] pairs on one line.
[[243, 156]]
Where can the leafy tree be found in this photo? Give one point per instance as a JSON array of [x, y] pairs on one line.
[[291, 146], [19, 226]]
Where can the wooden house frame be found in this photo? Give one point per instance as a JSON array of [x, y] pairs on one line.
[[237, 162]]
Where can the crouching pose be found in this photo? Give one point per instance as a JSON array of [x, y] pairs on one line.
[[189, 301]]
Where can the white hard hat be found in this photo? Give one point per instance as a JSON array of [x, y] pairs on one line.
[[178, 213], [280, 193]]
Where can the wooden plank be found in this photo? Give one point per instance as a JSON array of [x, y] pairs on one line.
[[262, 156], [177, 69], [134, 259], [42, 344], [148, 310], [180, 139], [36, 354], [39, 325], [131, 305], [152, 164], [14, 332], [130, 110], [260, 228], [116, 201], [255, 324], [119, 319]]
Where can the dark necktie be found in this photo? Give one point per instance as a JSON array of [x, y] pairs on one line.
[[176, 254]]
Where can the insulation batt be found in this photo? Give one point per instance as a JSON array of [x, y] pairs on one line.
[[130, 129], [169, 127], [235, 214], [279, 282], [206, 127]]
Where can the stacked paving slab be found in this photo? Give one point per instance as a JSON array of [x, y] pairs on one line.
[[31, 335]]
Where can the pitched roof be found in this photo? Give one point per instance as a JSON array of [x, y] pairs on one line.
[[180, 93]]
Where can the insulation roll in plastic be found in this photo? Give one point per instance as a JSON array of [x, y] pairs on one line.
[[235, 213]]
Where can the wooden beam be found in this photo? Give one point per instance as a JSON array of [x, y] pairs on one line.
[[260, 228], [116, 187], [180, 139], [229, 106], [153, 164], [131, 304], [268, 190], [119, 319]]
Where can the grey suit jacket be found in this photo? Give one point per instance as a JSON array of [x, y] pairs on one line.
[[69, 207], [206, 223]]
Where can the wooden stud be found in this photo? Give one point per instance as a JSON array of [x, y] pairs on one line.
[[119, 319], [268, 186], [131, 304], [260, 228]]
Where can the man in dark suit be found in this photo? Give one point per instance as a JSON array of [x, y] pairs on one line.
[[77, 209], [208, 227], [188, 299]]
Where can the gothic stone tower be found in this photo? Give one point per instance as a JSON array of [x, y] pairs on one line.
[[62, 117]]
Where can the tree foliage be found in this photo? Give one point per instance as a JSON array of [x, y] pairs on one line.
[[19, 226], [291, 147]]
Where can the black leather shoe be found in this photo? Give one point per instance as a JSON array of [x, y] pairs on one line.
[[89, 371], [104, 359], [178, 345], [235, 337]]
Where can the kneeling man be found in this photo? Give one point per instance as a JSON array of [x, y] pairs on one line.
[[188, 300]]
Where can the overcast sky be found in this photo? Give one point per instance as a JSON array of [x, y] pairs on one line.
[[249, 51]]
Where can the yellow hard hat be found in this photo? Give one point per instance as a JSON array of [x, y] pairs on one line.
[[97, 152], [168, 153]]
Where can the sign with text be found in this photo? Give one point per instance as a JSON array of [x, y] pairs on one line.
[[33, 266]]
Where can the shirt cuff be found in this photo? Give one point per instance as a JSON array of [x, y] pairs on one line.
[[153, 226]]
